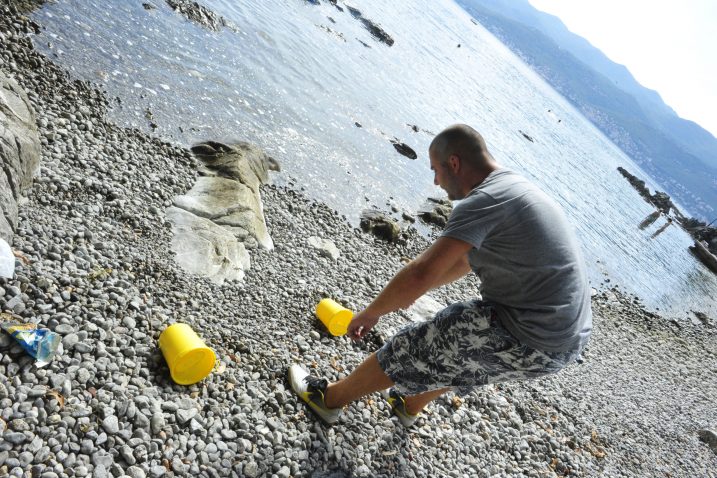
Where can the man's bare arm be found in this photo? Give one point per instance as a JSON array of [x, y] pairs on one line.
[[461, 269], [444, 261]]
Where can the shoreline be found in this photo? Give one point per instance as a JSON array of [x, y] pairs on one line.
[[101, 273]]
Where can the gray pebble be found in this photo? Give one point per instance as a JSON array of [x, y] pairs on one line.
[[184, 415], [14, 437], [136, 472], [111, 425]]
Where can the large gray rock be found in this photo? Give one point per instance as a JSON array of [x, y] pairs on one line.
[[204, 248], [222, 215], [227, 202], [19, 151]]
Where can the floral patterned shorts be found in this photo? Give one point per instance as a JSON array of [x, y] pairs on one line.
[[463, 346]]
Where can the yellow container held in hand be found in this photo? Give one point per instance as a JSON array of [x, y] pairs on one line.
[[334, 316], [188, 357]]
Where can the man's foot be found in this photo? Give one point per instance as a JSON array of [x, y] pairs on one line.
[[398, 407], [311, 390]]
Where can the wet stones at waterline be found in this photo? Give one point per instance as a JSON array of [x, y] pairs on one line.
[[436, 211], [380, 225], [222, 217]]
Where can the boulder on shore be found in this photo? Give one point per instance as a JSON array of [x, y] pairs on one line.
[[19, 151], [380, 225], [222, 216]]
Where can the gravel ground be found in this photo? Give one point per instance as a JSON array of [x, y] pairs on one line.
[[98, 270]]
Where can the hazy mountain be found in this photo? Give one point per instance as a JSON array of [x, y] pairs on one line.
[[679, 154]]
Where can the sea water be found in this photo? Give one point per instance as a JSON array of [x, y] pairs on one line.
[[310, 85]]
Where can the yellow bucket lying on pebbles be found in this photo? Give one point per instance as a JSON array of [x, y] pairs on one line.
[[334, 316], [188, 357]]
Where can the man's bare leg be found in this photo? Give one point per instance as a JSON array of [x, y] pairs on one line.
[[416, 403], [366, 378]]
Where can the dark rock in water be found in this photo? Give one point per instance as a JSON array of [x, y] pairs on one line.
[[375, 30], [357, 124], [201, 15], [363, 43], [356, 13], [705, 320], [436, 211], [380, 225], [404, 149], [408, 217], [701, 231], [709, 437], [149, 6], [413, 127], [660, 200], [526, 136]]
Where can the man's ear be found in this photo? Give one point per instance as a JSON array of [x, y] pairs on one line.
[[454, 162]]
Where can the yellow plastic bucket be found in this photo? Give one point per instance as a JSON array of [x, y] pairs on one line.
[[188, 357], [334, 316]]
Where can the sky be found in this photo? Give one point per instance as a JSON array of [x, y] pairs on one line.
[[668, 46]]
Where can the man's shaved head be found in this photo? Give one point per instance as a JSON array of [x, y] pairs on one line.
[[463, 141]]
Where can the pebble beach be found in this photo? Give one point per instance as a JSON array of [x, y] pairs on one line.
[[95, 266]]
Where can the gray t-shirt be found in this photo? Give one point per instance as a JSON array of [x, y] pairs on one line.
[[528, 260]]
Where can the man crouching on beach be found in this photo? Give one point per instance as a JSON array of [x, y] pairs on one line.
[[534, 317]]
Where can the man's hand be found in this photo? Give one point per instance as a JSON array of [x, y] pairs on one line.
[[361, 324], [445, 261]]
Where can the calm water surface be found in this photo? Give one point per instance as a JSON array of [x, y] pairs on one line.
[[296, 78]]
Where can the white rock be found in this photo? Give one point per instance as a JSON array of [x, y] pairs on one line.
[[7, 260], [206, 249], [325, 247], [425, 308]]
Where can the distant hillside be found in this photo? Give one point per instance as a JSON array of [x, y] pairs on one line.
[[679, 154]]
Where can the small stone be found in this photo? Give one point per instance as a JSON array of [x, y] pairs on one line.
[[136, 472], [70, 340], [183, 416], [157, 471], [195, 426], [157, 422], [64, 329], [111, 425], [100, 472], [14, 437], [83, 347], [251, 469], [102, 459], [126, 453]]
